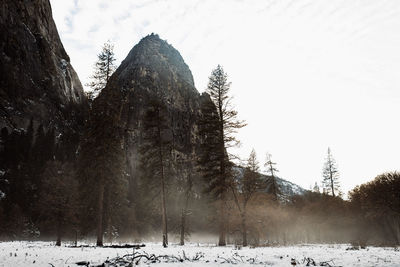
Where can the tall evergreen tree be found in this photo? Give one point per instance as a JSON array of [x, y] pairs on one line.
[[185, 190], [330, 175], [102, 162], [218, 126], [156, 155], [103, 69]]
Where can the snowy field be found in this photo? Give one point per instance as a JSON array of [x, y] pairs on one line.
[[46, 254]]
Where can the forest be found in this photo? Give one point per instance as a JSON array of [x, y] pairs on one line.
[[72, 184]]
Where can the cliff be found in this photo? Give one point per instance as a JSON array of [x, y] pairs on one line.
[[36, 78], [154, 70]]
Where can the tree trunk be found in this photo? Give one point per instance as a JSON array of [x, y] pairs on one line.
[[162, 182], [244, 229], [222, 216], [274, 186], [164, 215], [163, 201], [182, 241], [228, 230], [107, 225], [100, 201], [109, 228], [284, 238], [132, 182], [184, 213], [397, 227], [257, 238], [58, 243], [331, 177], [222, 230]]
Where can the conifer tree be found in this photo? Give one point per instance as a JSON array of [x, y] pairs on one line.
[[186, 192], [272, 170], [156, 155], [218, 126], [101, 169], [330, 175], [103, 69]]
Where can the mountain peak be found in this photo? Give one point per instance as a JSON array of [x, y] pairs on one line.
[[152, 37], [155, 56]]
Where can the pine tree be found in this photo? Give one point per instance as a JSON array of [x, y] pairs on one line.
[[272, 184], [103, 69], [156, 155], [186, 192], [101, 169], [330, 176], [218, 126], [245, 189]]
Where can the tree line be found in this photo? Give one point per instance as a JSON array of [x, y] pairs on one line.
[[76, 185]]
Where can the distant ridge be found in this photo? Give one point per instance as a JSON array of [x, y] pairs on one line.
[[287, 188]]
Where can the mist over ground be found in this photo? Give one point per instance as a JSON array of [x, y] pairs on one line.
[[140, 166]]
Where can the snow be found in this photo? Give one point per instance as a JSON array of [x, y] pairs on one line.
[[64, 63], [290, 187], [63, 66], [23, 253]]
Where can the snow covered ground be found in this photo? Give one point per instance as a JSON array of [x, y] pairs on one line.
[[46, 254]]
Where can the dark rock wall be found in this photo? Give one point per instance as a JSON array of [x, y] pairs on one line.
[[36, 78]]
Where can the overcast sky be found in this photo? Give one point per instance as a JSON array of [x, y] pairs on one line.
[[306, 74]]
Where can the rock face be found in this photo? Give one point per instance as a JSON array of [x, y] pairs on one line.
[[36, 78], [154, 69]]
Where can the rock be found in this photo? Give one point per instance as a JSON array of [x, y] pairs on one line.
[[36, 78], [154, 69]]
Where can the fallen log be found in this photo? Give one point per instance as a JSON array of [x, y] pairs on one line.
[[135, 246]]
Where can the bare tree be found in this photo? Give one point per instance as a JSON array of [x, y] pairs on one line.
[[244, 189]]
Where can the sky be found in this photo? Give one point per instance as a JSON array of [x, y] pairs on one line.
[[306, 74]]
